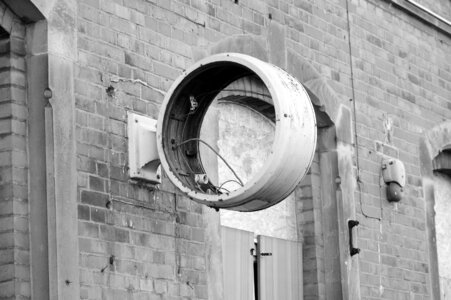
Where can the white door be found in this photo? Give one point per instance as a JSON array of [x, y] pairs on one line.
[[279, 264], [238, 264]]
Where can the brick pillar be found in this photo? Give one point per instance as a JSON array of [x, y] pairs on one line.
[[308, 207], [14, 224]]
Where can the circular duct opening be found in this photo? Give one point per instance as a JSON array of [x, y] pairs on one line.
[[239, 124], [281, 99]]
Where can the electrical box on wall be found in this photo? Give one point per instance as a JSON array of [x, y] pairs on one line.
[[394, 175], [143, 158], [393, 171]]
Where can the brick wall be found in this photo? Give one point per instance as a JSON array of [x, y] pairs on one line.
[[402, 80], [137, 242], [156, 237], [308, 212], [401, 90], [14, 231]]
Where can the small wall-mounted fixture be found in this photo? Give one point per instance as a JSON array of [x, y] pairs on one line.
[[353, 250], [143, 158], [394, 175]]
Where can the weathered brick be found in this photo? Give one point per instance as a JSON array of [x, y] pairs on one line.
[[83, 212], [137, 61], [7, 289], [400, 68], [88, 229], [94, 198], [98, 215], [96, 183]]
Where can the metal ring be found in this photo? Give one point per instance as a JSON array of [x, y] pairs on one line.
[[181, 116]]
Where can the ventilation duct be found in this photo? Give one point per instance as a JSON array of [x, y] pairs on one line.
[[183, 111]]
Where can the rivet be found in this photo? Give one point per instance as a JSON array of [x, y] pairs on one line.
[[48, 93]]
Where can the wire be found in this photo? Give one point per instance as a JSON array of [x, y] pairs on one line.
[[192, 111], [212, 149], [221, 188], [227, 181], [359, 181]]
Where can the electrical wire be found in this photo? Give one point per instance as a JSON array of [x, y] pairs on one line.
[[221, 188], [359, 181], [216, 152], [227, 181], [192, 112]]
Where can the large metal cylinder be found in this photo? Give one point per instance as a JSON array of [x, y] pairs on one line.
[[181, 116]]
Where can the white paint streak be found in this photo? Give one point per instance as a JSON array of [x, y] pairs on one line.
[[118, 79]]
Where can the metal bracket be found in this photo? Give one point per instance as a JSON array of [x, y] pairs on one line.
[[143, 158], [352, 250], [261, 254]]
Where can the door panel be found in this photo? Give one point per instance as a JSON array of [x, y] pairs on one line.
[[238, 264], [279, 269]]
